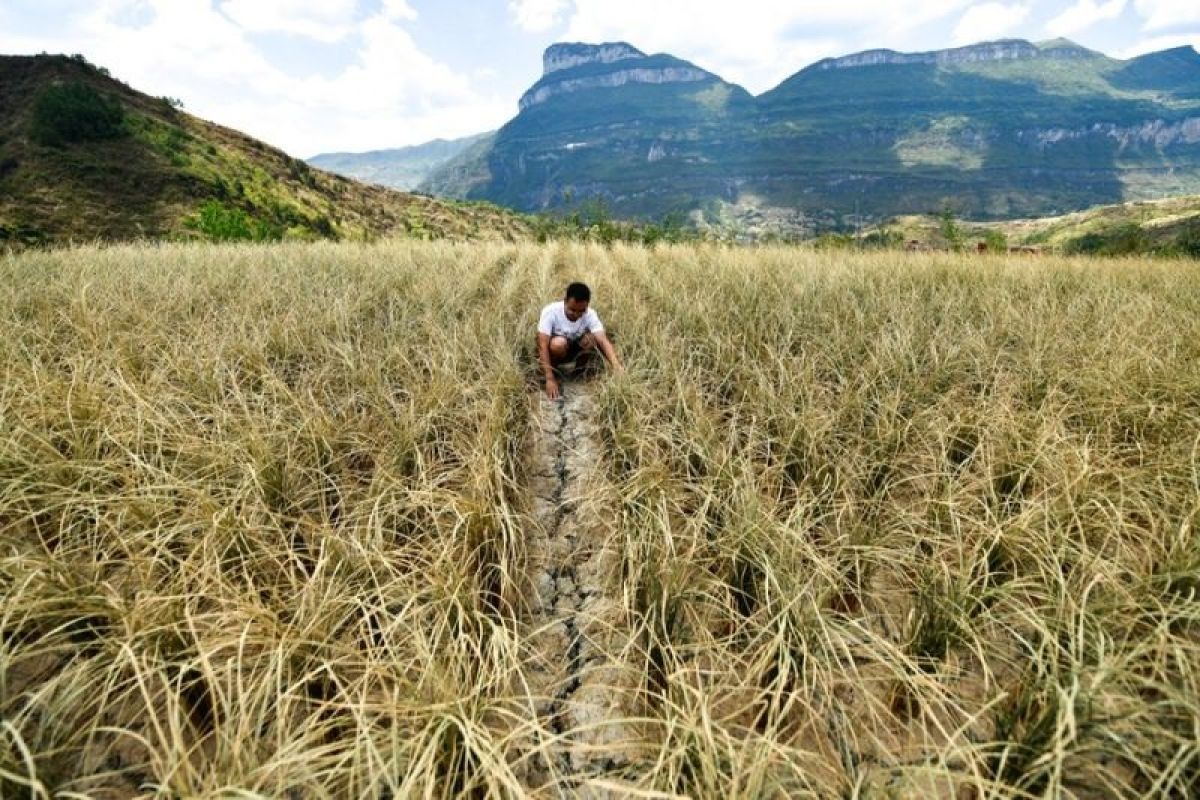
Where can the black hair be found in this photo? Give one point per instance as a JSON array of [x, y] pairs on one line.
[[580, 292]]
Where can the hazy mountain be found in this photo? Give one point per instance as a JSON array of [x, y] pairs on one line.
[[83, 156], [400, 168], [997, 129]]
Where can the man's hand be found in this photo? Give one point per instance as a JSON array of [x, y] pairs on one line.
[[552, 388], [610, 353]]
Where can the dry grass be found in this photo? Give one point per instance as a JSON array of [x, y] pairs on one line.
[[891, 523]]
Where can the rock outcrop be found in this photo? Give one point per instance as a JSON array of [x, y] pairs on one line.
[[1157, 132], [565, 55], [1003, 50], [617, 78]]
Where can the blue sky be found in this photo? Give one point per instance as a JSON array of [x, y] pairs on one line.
[[312, 76]]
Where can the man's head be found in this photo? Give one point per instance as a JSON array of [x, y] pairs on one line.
[[575, 304]]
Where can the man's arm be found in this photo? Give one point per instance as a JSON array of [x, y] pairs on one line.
[[543, 347], [610, 352]]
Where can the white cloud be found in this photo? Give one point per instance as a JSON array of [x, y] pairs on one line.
[[397, 10], [1156, 43], [322, 20], [391, 94], [988, 21], [536, 16], [1083, 15], [1163, 14]]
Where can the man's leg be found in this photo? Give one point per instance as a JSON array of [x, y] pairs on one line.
[[559, 348], [589, 358]]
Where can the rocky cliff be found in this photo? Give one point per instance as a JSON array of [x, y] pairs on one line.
[[573, 54], [1003, 50], [571, 68], [611, 80]]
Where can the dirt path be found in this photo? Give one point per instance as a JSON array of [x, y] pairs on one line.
[[577, 681]]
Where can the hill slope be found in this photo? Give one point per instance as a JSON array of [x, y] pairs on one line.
[[1166, 227], [1171, 225], [998, 129], [401, 168], [83, 156]]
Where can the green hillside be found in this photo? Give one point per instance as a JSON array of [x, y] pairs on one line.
[[997, 130], [1166, 227], [84, 156], [1170, 226]]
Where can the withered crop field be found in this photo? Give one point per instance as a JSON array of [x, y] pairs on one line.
[[297, 521]]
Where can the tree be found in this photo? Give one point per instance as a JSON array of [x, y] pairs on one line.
[[67, 113], [950, 229]]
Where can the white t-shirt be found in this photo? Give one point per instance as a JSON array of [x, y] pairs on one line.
[[554, 322]]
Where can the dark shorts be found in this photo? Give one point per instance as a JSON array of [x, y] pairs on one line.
[[575, 348]]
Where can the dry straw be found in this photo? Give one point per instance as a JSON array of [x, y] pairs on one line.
[[890, 523]]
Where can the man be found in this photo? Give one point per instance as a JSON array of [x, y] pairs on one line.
[[570, 331]]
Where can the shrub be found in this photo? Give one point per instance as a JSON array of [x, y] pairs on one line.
[[1088, 244], [1187, 243], [324, 226], [834, 241], [882, 240], [996, 241], [950, 229], [222, 223], [75, 112], [1123, 240]]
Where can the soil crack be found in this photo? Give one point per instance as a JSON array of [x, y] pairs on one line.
[[577, 629]]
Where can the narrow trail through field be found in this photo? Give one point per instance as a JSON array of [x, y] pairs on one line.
[[577, 683]]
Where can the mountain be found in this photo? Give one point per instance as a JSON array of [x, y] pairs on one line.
[[400, 168], [83, 156], [997, 129], [648, 131]]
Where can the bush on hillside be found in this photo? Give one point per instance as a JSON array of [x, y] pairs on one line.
[[1187, 243], [996, 241], [881, 240], [67, 113], [221, 223], [834, 241], [1123, 240], [951, 231]]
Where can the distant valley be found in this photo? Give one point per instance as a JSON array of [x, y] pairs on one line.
[[403, 168]]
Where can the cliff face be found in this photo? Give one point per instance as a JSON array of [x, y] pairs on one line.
[[566, 55], [1157, 133], [613, 79], [570, 68], [1003, 50], [1006, 128]]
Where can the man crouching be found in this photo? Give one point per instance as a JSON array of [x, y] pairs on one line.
[[569, 331]]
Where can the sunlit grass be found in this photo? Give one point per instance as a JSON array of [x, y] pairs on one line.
[[891, 522]]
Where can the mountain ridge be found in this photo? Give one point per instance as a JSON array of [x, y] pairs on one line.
[[998, 129], [999, 50]]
